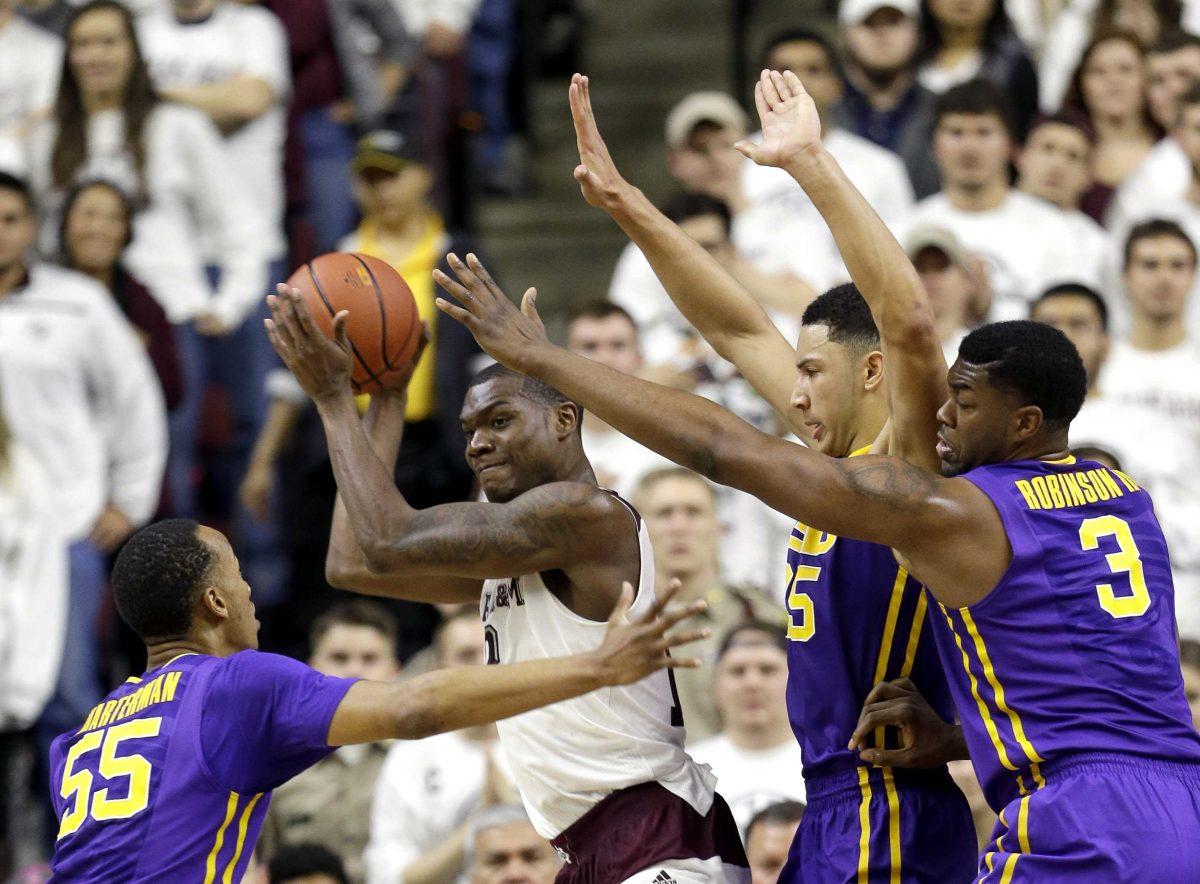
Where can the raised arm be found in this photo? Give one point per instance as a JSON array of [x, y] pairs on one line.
[[724, 313], [915, 369], [452, 699], [553, 526]]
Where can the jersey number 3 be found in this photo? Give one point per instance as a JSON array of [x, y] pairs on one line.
[[76, 785], [1126, 560]]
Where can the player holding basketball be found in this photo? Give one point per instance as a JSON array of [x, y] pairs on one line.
[[1055, 616], [170, 776], [857, 618], [546, 545]]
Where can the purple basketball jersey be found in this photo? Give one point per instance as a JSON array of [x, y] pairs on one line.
[[1075, 648], [856, 618], [169, 777]]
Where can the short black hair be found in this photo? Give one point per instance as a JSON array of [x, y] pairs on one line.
[[1034, 360], [1172, 40], [976, 97], [1065, 116], [1074, 290], [532, 388], [300, 860], [686, 206], [21, 188], [802, 35], [599, 308], [158, 576], [1098, 454], [355, 612], [845, 311], [773, 634], [779, 812], [1153, 229]]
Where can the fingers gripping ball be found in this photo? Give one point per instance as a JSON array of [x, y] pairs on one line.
[[383, 325]]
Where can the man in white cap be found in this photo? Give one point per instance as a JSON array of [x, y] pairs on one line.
[[882, 100], [953, 280], [700, 133]]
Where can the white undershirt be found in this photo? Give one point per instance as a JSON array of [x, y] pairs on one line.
[[751, 779]]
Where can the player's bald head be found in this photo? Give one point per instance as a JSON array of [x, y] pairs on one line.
[[527, 387], [159, 575]]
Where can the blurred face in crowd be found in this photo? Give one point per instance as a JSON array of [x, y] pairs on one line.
[[17, 229], [767, 846], [972, 150], [1169, 75], [611, 341], [100, 51], [708, 162], [961, 14], [513, 854], [750, 685], [1055, 164], [393, 198], [948, 286], [96, 229], [811, 63], [352, 650], [1159, 277], [460, 643], [1138, 16], [1114, 80], [681, 515], [1191, 688], [1187, 133], [710, 232], [884, 43], [1077, 318], [831, 381]]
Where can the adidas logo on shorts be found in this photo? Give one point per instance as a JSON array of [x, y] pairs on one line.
[[664, 877]]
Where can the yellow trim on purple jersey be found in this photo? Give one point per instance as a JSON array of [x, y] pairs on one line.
[[210, 864]]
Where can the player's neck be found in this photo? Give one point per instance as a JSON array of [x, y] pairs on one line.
[[161, 653], [758, 739], [1148, 333]]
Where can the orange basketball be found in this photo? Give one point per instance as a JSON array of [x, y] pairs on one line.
[[383, 324]]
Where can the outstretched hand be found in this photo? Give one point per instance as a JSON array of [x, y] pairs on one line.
[[790, 122], [322, 366], [505, 333], [599, 180], [633, 650]]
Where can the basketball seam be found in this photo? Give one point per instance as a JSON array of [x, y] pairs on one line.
[[332, 313], [383, 335]]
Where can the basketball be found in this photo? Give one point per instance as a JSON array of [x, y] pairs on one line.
[[383, 324]]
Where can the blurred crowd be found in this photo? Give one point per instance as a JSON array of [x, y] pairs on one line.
[[164, 162]]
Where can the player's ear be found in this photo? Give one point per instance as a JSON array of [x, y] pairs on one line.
[[1028, 420], [214, 603], [872, 370], [566, 419]]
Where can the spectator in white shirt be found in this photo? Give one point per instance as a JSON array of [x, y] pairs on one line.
[[504, 848], [755, 757], [954, 282], [769, 839], [1157, 364], [1148, 446], [429, 789], [1173, 66], [1055, 164], [878, 173], [30, 63], [1018, 237], [80, 394]]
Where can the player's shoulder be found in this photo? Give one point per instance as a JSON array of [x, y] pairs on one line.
[[576, 501]]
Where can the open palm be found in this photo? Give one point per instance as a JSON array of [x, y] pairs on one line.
[[790, 122]]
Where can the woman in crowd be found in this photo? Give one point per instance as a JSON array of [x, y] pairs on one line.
[[1078, 26], [964, 39], [96, 227], [1110, 88]]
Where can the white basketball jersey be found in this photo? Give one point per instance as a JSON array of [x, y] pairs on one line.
[[567, 757]]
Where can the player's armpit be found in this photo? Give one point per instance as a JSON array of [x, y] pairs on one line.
[[553, 526]]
